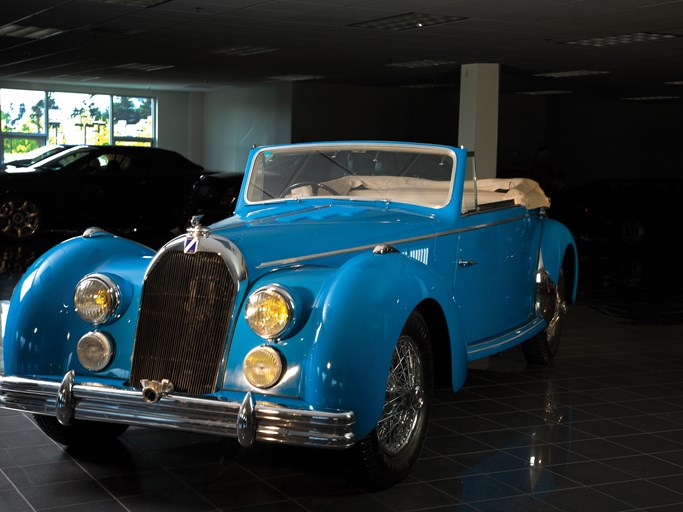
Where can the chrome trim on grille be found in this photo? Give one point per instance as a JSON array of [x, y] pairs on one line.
[[267, 422], [187, 304], [207, 242]]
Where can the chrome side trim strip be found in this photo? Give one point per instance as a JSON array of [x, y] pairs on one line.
[[499, 341], [267, 422], [327, 254]]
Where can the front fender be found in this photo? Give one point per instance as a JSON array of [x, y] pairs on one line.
[[42, 328], [362, 312], [558, 242]]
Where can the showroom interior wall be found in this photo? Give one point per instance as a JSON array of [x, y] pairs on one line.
[[585, 137], [237, 118], [332, 112], [611, 138]]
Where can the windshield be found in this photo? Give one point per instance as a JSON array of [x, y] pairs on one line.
[[416, 175], [60, 160]]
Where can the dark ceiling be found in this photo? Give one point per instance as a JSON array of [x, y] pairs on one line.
[[200, 45]]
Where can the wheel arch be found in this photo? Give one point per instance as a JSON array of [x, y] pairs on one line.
[[450, 355], [558, 251], [39, 343], [364, 309]]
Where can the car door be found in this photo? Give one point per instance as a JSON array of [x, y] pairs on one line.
[[494, 275]]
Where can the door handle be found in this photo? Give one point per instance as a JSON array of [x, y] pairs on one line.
[[466, 263]]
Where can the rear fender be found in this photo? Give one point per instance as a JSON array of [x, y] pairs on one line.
[[556, 244]]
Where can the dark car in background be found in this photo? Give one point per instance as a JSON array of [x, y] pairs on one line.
[[625, 213], [118, 188], [33, 157], [214, 196], [622, 227]]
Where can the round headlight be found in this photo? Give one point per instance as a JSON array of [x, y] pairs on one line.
[[263, 367], [97, 297], [270, 312], [94, 351]]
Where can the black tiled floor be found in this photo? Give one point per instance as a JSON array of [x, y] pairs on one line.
[[600, 429]]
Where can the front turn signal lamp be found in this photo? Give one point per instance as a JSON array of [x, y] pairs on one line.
[[263, 367], [97, 298], [270, 312]]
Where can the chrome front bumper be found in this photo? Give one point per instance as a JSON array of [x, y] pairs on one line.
[[247, 421]]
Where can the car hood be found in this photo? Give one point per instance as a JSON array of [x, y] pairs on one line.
[[324, 235]]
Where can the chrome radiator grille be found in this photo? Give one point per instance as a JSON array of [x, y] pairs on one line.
[[185, 311]]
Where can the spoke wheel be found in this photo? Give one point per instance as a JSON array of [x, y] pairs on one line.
[[404, 399], [19, 218], [387, 454]]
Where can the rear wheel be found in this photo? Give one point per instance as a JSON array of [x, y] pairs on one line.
[[79, 432], [19, 218], [388, 453], [541, 349]]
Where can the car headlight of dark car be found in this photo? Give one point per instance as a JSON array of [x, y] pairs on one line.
[[270, 312], [97, 299]]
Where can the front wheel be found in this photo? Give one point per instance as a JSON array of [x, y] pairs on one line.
[[541, 348], [80, 432], [388, 453]]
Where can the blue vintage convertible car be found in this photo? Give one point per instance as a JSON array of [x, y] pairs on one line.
[[351, 276]]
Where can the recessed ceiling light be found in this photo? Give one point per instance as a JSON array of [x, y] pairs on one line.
[[28, 32], [544, 93], [638, 37], [134, 3], [651, 98], [294, 78], [79, 78], [143, 67], [569, 74], [426, 63], [407, 21], [427, 86], [244, 50]]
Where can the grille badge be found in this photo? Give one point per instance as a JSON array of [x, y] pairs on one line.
[[191, 244]]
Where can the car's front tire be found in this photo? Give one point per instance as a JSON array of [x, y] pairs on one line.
[[79, 432], [388, 453]]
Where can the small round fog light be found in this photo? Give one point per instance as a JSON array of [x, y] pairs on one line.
[[95, 350], [263, 367]]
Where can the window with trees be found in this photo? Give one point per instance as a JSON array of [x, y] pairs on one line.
[[31, 119]]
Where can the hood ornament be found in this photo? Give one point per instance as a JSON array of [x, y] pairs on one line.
[[194, 233]]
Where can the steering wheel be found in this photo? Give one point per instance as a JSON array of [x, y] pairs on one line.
[[313, 184]]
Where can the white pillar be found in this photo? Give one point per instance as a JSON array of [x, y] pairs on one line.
[[478, 123]]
